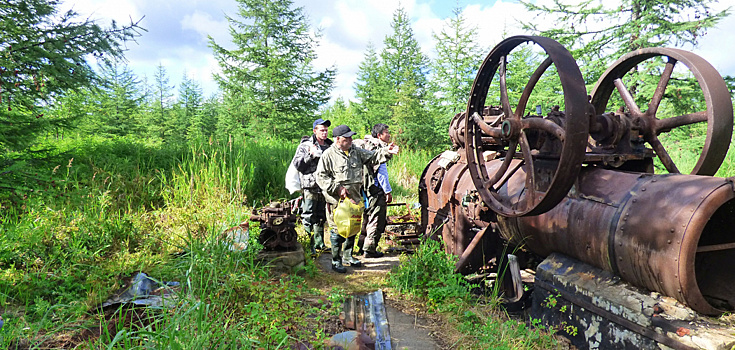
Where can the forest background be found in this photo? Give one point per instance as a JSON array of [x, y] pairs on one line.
[[104, 173]]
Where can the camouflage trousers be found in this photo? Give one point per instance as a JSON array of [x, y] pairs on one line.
[[373, 222], [313, 216]]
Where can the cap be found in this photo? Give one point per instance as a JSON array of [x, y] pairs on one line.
[[342, 130], [321, 121]]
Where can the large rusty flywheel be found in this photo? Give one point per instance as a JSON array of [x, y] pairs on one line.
[[717, 114], [548, 176]]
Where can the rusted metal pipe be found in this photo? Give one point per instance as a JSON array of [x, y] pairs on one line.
[[470, 250], [669, 233]]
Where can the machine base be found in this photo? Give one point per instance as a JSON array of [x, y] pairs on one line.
[[596, 310]]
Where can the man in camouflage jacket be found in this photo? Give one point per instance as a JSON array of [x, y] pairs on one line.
[[313, 207], [378, 191], [340, 176]]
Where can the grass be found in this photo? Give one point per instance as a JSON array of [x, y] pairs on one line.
[[105, 209], [120, 206]]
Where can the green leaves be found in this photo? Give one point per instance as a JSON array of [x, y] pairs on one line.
[[459, 56], [42, 55], [268, 81], [597, 34]]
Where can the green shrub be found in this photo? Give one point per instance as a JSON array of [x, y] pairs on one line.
[[429, 273]]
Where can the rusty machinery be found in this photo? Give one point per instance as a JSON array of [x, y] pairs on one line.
[[277, 226], [581, 181]]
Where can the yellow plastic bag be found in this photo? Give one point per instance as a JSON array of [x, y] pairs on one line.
[[348, 218]]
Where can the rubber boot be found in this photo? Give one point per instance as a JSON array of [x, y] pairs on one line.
[[307, 229], [348, 258], [336, 252], [318, 230]]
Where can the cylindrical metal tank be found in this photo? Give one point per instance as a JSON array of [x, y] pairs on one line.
[[670, 233], [452, 210]]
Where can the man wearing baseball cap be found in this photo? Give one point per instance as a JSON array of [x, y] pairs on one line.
[[340, 176], [313, 211]]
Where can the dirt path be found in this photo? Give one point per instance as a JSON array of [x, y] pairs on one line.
[[407, 331]]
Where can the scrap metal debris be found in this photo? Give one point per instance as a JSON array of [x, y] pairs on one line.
[[143, 290], [367, 315]]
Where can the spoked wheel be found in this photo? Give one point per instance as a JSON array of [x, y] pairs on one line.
[[718, 114], [548, 177]]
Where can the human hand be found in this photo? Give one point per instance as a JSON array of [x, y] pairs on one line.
[[343, 192], [393, 148], [389, 197]]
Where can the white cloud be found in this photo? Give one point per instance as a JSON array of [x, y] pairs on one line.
[[177, 31], [204, 24], [714, 46]]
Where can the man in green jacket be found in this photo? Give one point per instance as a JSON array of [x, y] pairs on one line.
[[340, 176]]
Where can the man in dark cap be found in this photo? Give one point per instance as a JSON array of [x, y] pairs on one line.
[[340, 176], [379, 194], [313, 209]]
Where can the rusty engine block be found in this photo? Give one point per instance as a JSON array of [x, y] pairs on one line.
[[277, 226], [580, 181]]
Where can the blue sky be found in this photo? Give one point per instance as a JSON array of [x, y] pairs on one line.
[[178, 31]]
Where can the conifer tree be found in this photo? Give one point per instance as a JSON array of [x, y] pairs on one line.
[[43, 53], [268, 80], [373, 91], [402, 57], [211, 111], [414, 126], [597, 33], [190, 109], [458, 58], [161, 123], [117, 98], [405, 68]]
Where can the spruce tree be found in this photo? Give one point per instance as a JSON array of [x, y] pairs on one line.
[[402, 57], [405, 68], [117, 98], [161, 123], [190, 109], [268, 80]]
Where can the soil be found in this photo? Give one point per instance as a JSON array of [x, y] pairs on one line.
[[410, 326]]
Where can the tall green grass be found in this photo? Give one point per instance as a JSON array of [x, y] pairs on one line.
[[405, 169], [428, 275], [109, 208], [115, 207]]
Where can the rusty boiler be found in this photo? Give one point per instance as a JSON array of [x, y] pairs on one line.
[[580, 179]]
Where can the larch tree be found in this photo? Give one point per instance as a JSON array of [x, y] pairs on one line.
[[372, 90], [406, 68], [268, 80], [458, 58], [43, 54]]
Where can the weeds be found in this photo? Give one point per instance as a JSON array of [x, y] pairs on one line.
[[430, 273], [123, 206]]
